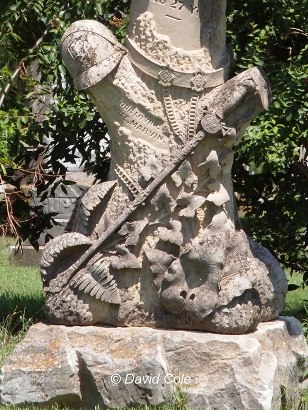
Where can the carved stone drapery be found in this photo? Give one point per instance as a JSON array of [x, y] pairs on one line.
[[159, 244]]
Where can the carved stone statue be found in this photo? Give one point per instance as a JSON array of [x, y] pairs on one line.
[[160, 244]]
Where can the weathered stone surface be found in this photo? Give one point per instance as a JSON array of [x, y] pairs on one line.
[[159, 244], [27, 257], [74, 365], [43, 367]]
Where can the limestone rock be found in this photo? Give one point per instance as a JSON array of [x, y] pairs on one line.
[[119, 367], [42, 368]]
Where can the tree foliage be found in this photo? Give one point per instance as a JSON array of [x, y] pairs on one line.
[[270, 172], [41, 105]]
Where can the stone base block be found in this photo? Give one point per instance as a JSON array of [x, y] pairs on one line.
[[119, 367], [28, 256]]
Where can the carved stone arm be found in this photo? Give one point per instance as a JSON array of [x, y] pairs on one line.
[[90, 52], [248, 88], [239, 100]]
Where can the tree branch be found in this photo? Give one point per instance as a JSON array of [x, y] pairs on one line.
[[20, 66]]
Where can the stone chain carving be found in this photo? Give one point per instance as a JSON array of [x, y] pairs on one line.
[[131, 185]]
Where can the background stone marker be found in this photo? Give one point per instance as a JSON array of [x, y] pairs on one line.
[[60, 202]]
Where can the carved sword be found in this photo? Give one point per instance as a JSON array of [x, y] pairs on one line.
[[55, 285], [254, 88]]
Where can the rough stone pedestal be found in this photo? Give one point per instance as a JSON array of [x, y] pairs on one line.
[[118, 367]]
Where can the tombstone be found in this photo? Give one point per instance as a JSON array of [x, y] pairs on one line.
[[61, 203], [159, 244], [157, 251]]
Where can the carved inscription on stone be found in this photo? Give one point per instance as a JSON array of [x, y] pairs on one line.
[[175, 6], [137, 121], [61, 203], [62, 206], [169, 18]]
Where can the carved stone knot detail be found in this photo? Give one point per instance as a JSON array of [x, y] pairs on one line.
[[198, 81], [166, 77]]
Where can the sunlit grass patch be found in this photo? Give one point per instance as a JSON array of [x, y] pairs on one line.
[[296, 302], [20, 287], [21, 299]]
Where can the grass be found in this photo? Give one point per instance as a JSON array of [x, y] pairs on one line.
[[22, 299], [296, 302], [178, 403]]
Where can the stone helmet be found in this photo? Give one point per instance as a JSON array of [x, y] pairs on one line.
[[90, 52]]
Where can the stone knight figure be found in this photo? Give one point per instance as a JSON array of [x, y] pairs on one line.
[[160, 244]]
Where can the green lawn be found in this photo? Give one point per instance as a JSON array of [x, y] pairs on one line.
[[20, 287], [296, 299], [21, 299], [296, 302]]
